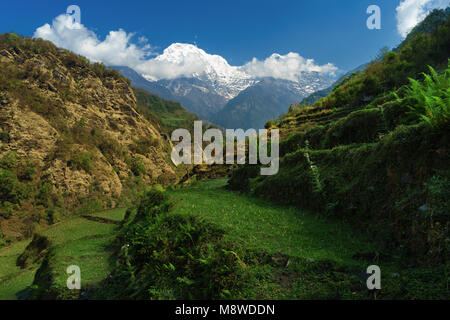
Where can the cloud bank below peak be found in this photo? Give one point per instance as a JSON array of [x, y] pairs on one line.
[[288, 67], [412, 12], [118, 48]]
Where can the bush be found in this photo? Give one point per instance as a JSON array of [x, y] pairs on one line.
[[54, 215], [430, 100], [9, 161], [11, 189], [44, 195], [438, 189], [359, 126], [152, 203], [165, 255], [26, 171], [240, 178], [137, 166], [82, 160], [34, 252], [90, 206], [7, 209], [4, 137], [143, 145]]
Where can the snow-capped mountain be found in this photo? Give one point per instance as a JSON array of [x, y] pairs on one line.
[[208, 86], [226, 80]]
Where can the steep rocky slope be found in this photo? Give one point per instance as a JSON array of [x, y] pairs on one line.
[[74, 129]]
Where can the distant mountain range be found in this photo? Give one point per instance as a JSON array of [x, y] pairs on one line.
[[317, 95], [225, 94], [265, 100]]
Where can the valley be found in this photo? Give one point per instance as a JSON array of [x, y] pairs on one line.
[[88, 179], [286, 253]]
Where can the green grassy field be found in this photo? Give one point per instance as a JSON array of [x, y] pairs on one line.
[[293, 254], [262, 225], [112, 214], [76, 241], [13, 279], [289, 254]]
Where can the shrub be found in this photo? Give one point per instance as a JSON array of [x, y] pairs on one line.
[[359, 126], [90, 206], [240, 178], [45, 194], [11, 189], [34, 252], [143, 145], [429, 100], [7, 209], [438, 189], [165, 255], [54, 215], [9, 161], [26, 171], [82, 160], [152, 203], [4, 137], [137, 166]]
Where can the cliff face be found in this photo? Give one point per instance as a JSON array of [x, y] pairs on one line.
[[74, 125]]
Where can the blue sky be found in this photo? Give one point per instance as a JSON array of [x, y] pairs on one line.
[[328, 31]]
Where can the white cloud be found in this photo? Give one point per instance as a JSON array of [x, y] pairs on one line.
[[412, 12], [288, 67], [170, 70], [118, 49]]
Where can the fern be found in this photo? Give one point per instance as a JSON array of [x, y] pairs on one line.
[[429, 100]]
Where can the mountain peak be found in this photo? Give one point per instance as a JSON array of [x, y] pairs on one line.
[[176, 52], [227, 80]]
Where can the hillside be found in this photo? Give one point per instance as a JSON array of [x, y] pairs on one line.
[[159, 101], [86, 178], [140, 82], [434, 19], [374, 152], [71, 136], [265, 100], [173, 116], [312, 98], [269, 252]]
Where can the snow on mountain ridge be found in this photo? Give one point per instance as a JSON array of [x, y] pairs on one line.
[[227, 80], [206, 83]]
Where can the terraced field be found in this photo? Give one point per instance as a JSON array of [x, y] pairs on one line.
[[77, 241]]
